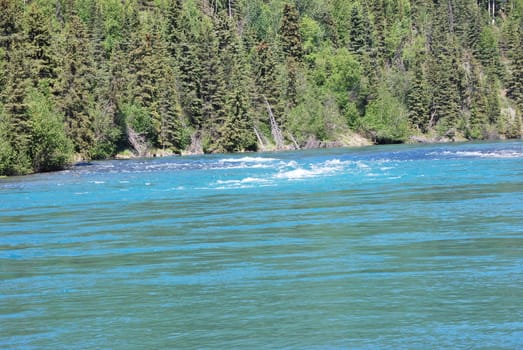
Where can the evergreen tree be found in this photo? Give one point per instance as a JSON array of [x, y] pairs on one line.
[[479, 113], [166, 110], [38, 47], [7, 156], [380, 27], [292, 49], [487, 52], [360, 31], [10, 29], [444, 71], [16, 123], [174, 26], [237, 129], [212, 82], [190, 70], [3, 68], [76, 79], [515, 81], [290, 33], [107, 121], [266, 80], [418, 100], [154, 91]]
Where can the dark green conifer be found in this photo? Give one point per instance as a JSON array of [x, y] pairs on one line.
[[290, 33], [10, 12], [189, 71], [174, 26], [212, 80], [515, 81], [477, 90], [166, 111], [360, 31], [487, 51], [76, 79], [266, 80], [237, 128], [16, 121], [418, 100], [38, 48], [293, 51], [444, 71]]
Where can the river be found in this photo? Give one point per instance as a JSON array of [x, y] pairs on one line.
[[401, 247]]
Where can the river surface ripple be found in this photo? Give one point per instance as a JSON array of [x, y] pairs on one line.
[[401, 247]]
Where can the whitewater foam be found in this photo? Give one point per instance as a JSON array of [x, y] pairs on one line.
[[248, 160], [480, 154], [326, 168], [247, 182]]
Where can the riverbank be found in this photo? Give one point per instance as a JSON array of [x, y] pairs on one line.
[[349, 139]]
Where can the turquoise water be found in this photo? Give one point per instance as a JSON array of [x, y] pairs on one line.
[[401, 247]]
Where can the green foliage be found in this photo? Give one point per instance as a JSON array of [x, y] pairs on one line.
[[138, 119], [339, 72], [312, 33], [9, 164], [316, 117], [75, 85], [38, 48], [418, 100], [360, 34], [515, 82], [108, 74], [488, 52], [51, 149], [290, 33], [10, 12], [385, 119]]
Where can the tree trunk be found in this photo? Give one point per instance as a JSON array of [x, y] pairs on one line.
[[275, 129]]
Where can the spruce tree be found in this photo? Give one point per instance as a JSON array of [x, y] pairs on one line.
[[418, 100], [478, 104], [379, 26], [360, 32], [266, 80], [16, 122], [189, 73], [292, 49], [109, 96], [166, 110], [38, 47], [174, 26], [236, 129], [76, 79], [212, 82], [487, 51], [10, 31], [444, 71], [7, 156], [290, 33], [515, 81]]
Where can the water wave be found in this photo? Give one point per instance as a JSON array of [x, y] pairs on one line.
[[241, 183], [328, 167], [248, 160], [245, 163], [502, 154]]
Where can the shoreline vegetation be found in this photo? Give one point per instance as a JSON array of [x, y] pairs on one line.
[[85, 80]]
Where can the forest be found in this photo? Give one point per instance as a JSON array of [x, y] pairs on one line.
[[98, 79]]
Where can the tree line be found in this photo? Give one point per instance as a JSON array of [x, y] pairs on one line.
[[87, 79]]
